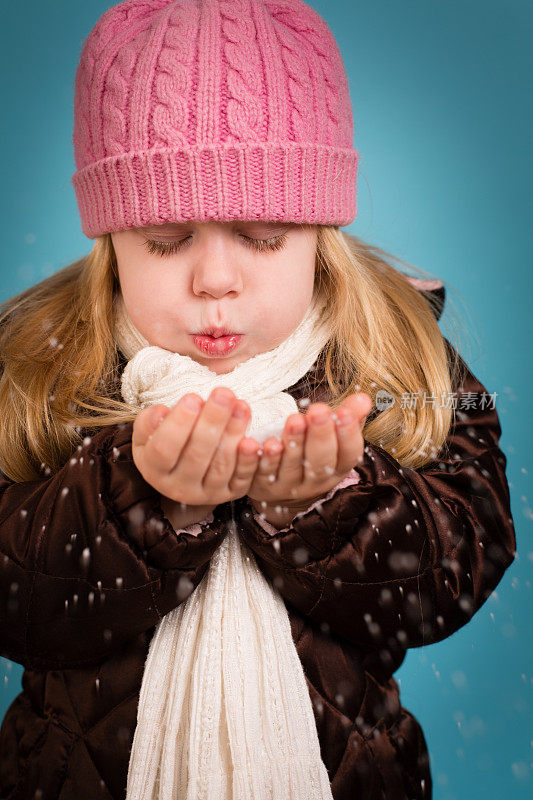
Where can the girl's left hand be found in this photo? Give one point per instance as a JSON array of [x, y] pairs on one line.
[[306, 464]]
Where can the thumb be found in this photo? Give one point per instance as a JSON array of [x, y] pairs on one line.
[[146, 421], [362, 406]]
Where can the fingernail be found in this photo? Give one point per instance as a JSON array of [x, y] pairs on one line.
[[320, 417], [295, 428], [273, 449], [344, 419], [156, 418], [240, 411], [222, 397], [249, 448], [192, 402]]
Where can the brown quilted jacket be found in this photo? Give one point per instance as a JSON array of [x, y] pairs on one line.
[[89, 564]]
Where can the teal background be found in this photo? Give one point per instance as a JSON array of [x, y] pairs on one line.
[[441, 93]]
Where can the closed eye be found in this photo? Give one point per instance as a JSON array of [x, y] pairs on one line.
[[260, 245], [276, 243]]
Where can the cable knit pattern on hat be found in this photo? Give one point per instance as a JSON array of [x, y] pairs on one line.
[[244, 111], [172, 82], [212, 109]]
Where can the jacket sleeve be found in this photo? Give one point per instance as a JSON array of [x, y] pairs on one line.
[[87, 558], [404, 553]]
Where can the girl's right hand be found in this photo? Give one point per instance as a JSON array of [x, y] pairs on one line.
[[198, 457]]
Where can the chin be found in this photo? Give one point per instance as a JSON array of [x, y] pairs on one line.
[[223, 368]]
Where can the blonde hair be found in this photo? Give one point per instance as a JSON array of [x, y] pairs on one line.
[[61, 370]]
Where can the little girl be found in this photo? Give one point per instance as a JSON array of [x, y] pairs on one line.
[[242, 469]]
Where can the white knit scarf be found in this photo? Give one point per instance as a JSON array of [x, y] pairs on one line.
[[224, 710]]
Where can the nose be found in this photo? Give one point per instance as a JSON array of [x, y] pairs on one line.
[[216, 272]]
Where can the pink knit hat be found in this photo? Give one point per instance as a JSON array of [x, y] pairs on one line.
[[212, 109]]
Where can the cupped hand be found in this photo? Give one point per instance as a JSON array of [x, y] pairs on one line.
[[197, 457], [313, 455]]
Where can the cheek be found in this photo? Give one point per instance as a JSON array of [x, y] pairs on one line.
[[293, 273], [141, 302], [295, 289], [148, 286], [283, 306]]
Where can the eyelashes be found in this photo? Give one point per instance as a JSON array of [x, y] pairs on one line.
[[276, 243], [259, 245], [163, 248]]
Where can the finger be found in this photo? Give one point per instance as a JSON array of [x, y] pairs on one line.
[[224, 459], [291, 470], [350, 420], [359, 403], [246, 466], [349, 440], [320, 444], [170, 437], [270, 457], [146, 422], [196, 457]]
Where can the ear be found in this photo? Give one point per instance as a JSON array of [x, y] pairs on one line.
[[433, 290]]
